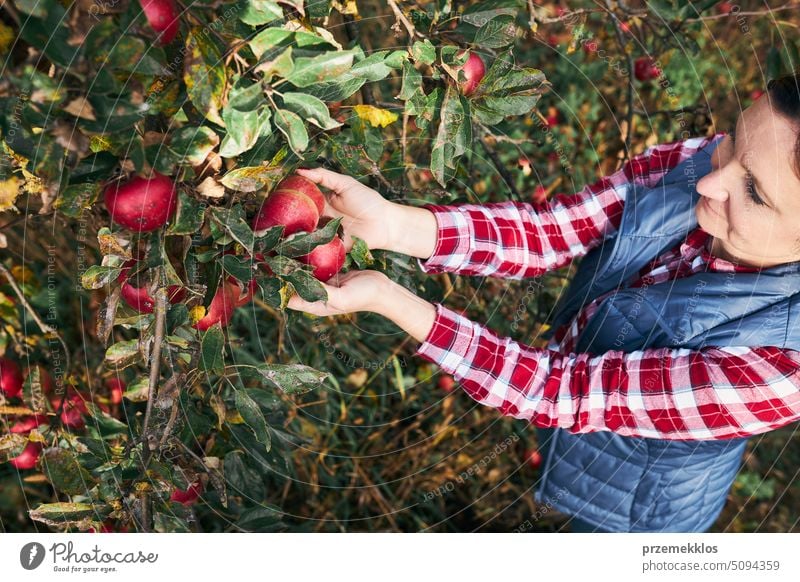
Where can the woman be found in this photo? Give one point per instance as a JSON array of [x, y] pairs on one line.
[[677, 339]]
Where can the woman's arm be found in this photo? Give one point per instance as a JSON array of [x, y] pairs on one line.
[[678, 394], [516, 239]]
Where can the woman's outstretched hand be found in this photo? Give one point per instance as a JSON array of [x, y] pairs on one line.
[[364, 211], [382, 224], [347, 293]]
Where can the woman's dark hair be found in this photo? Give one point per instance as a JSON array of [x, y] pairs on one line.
[[784, 97]]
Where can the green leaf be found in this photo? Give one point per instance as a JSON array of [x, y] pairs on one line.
[[290, 125], [73, 200], [311, 108], [412, 82], [240, 268], [243, 130], [424, 52], [253, 178], [123, 354], [212, 348], [270, 38], [307, 286], [258, 12], [204, 75], [233, 222], [361, 254], [311, 70], [98, 276], [58, 514], [273, 65], [105, 424], [193, 144], [496, 33], [302, 244], [453, 137], [293, 378], [131, 53], [189, 217], [373, 68], [253, 417]]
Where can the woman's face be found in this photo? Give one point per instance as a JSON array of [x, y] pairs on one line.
[[745, 230]]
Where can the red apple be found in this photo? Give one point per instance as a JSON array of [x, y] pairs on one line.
[[74, 409], [590, 46], [187, 496], [474, 70], [756, 94], [625, 27], [222, 305], [326, 259], [27, 423], [138, 297], [446, 382], [534, 458], [302, 185], [296, 203], [116, 388], [725, 7], [27, 459], [162, 15], [10, 378], [142, 204], [553, 117], [645, 69]]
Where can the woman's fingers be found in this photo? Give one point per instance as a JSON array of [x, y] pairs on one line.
[[331, 180]]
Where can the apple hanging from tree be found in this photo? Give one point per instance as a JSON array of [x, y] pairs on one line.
[[326, 259], [10, 378], [138, 297], [222, 305], [474, 70], [645, 69], [187, 496], [27, 423], [142, 204], [116, 388], [162, 15], [27, 459], [534, 458], [446, 382], [296, 203], [74, 409]]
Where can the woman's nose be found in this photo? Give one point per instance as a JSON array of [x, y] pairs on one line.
[[713, 185]]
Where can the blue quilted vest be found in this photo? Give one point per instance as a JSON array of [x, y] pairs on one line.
[[634, 484]]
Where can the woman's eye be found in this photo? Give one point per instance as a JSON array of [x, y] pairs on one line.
[[749, 185]]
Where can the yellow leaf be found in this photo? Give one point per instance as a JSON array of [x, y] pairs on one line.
[[197, 313], [9, 190], [376, 116], [99, 143], [346, 7]]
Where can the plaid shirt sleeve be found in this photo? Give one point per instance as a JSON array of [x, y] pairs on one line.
[[515, 240], [679, 394]]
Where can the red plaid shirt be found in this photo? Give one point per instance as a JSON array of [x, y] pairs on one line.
[[680, 394]]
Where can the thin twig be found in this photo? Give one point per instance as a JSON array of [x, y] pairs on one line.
[[160, 312], [787, 6], [402, 18], [629, 112], [42, 325], [501, 169]]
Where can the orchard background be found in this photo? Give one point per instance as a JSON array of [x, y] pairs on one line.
[[273, 420]]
